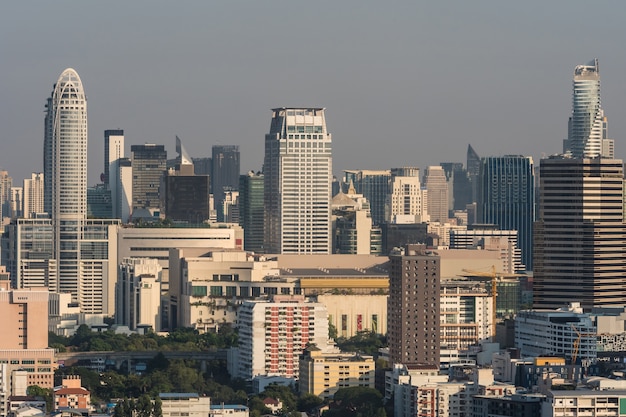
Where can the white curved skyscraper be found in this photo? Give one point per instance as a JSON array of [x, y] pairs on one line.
[[65, 175], [586, 122]]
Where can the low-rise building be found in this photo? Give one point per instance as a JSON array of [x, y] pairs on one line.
[[175, 404], [71, 395], [322, 374]]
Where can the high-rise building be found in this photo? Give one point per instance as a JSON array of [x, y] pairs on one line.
[[6, 182], [580, 235], [33, 194], [84, 250], [224, 174], [138, 293], [413, 311], [149, 164], [298, 175], [273, 334], [459, 185], [585, 127], [437, 187], [251, 189], [113, 153], [353, 232], [473, 170], [406, 201], [375, 186], [507, 198], [124, 192], [65, 174]]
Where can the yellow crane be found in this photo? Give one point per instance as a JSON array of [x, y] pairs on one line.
[[493, 275], [577, 342]]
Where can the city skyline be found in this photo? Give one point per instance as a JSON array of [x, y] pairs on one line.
[[426, 79]]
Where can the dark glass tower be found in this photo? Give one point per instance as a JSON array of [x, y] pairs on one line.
[[251, 195], [225, 174], [507, 198], [149, 163]]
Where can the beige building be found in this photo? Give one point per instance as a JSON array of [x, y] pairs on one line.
[[353, 313], [24, 336], [322, 374], [184, 404]]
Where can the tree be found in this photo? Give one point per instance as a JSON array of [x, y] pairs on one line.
[[45, 393], [308, 402], [356, 401], [157, 410], [144, 406]]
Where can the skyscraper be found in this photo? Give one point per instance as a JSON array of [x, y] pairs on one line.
[[65, 174], [224, 174], [507, 198], [585, 127], [375, 186], [84, 250], [113, 152], [437, 187], [251, 189], [473, 170], [298, 175], [406, 201], [148, 162], [580, 234], [33, 194], [413, 311]]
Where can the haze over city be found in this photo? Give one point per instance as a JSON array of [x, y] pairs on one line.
[[403, 83]]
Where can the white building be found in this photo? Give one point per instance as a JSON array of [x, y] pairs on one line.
[[484, 238], [273, 335], [33, 194], [298, 175], [567, 333], [352, 225], [184, 404], [406, 202], [138, 293]]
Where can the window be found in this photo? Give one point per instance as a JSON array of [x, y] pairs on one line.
[[198, 291]]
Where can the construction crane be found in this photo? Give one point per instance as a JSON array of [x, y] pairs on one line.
[[493, 275], [575, 349]]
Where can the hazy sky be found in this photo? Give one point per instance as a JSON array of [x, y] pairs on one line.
[[403, 82]]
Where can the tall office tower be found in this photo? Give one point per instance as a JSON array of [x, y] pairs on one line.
[[473, 170], [33, 194], [298, 173], [608, 145], [148, 162], [113, 152], [585, 127], [202, 166], [507, 198], [65, 175], [406, 201], [459, 185], [225, 174], [437, 187], [251, 189], [6, 182], [580, 235], [413, 326], [16, 204], [375, 186], [124, 201], [185, 195]]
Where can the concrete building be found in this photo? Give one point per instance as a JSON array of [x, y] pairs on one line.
[[188, 404], [489, 237], [298, 174], [138, 294], [466, 311], [148, 165], [207, 286], [229, 410], [124, 191], [353, 231], [322, 374], [567, 333], [406, 201], [437, 187], [71, 395], [6, 182], [24, 341], [580, 234], [33, 195], [353, 313], [273, 335], [413, 310], [113, 153]]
